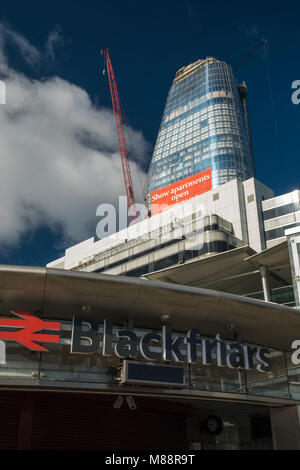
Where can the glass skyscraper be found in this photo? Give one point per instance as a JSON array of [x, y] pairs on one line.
[[204, 126]]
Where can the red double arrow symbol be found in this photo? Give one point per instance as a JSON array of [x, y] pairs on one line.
[[27, 335]]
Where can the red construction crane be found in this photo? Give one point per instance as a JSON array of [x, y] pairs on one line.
[[120, 125]]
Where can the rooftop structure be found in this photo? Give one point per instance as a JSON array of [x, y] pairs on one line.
[[216, 221]]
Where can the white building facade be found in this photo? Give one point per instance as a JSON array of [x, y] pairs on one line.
[[219, 220]]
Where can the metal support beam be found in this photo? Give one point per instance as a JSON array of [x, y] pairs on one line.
[[265, 282], [293, 238], [283, 419]]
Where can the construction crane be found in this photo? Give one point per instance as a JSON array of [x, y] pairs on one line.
[[250, 53], [120, 126]]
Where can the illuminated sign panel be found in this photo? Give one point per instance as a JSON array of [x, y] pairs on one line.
[[182, 190]]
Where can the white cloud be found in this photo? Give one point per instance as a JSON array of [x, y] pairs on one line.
[[55, 40], [30, 53], [59, 157]]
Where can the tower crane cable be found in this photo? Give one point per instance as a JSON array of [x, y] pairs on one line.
[[273, 107], [250, 53], [269, 80], [244, 50], [128, 133]]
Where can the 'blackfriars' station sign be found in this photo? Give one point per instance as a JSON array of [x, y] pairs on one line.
[[163, 346], [89, 336]]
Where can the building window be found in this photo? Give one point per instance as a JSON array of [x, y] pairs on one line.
[[281, 210], [278, 232]]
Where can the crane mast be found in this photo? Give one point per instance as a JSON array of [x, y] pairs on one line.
[[120, 126]]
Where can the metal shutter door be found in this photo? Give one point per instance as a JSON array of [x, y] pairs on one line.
[[77, 421]]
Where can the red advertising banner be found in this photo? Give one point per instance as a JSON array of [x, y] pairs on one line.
[[182, 190]]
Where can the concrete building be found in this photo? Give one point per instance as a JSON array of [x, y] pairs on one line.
[[228, 217], [279, 214]]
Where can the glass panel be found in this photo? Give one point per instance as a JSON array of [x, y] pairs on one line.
[[229, 439], [214, 378], [273, 383], [281, 295], [20, 362], [280, 211], [278, 232], [60, 364], [293, 377]]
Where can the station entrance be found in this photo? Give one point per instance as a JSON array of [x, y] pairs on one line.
[[59, 420]]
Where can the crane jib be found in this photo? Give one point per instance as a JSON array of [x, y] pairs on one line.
[[120, 132]]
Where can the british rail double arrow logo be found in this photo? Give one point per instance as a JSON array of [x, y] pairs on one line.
[[27, 329]]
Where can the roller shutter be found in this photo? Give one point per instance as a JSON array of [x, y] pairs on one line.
[[65, 421]]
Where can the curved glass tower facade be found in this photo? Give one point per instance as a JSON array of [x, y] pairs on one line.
[[203, 127]]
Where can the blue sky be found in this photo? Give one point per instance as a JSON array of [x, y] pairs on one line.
[[148, 43]]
